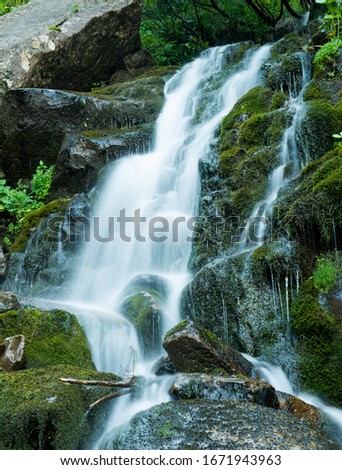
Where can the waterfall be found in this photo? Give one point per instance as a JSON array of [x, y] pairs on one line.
[[143, 221], [289, 155]]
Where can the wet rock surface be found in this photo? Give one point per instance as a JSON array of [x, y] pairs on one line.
[[194, 349], [8, 301], [193, 386], [210, 425]]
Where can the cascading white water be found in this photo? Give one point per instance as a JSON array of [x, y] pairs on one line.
[[162, 186], [289, 154], [275, 376]]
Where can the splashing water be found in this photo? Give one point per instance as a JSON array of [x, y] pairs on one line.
[[274, 375]]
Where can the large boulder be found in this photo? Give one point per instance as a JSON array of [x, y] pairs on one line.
[[39, 412], [65, 45], [12, 353], [52, 337], [194, 349], [210, 425]]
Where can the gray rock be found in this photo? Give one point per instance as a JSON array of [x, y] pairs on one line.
[[164, 366], [13, 353], [82, 160], [37, 120], [210, 425], [53, 44], [194, 349], [8, 301], [209, 387]]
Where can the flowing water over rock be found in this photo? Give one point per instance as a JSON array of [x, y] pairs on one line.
[[160, 188]]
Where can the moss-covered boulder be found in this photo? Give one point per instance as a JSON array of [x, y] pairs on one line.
[[52, 337], [143, 306], [194, 349], [39, 412]]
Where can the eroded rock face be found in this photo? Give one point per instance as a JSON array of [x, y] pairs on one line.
[[62, 45], [194, 349], [13, 353]]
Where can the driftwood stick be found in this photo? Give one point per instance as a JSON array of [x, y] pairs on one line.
[[99, 383], [108, 397]]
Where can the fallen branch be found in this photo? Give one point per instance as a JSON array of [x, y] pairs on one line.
[[99, 383], [108, 397]]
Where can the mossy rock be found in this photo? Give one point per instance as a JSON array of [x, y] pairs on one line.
[[52, 337], [309, 209], [33, 219], [319, 335], [321, 121], [39, 412], [139, 89]]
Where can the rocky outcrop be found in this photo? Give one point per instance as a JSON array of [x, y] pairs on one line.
[[37, 120], [194, 349], [210, 425], [12, 353], [65, 45], [8, 301]]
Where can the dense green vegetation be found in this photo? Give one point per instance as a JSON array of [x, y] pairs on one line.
[[176, 30], [9, 5]]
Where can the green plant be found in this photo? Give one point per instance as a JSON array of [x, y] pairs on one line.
[[332, 19], [6, 6], [325, 274], [337, 136], [25, 198], [326, 55], [76, 8]]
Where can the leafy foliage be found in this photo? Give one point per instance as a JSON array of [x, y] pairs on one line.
[[24, 198], [7, 6], [324, 58]]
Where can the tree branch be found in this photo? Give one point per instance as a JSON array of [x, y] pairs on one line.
[[108, 397], [99, 383]]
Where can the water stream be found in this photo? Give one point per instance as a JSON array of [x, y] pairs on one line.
[[157, 190]]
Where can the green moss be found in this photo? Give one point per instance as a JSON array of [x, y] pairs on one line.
[[325, 274], [37, 411], [278, 100], [176, 329], [310, 210], [166, 431], [34, 218], [140, 89], [316, 90], [258, 100], [52, 337], [319, 334]]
